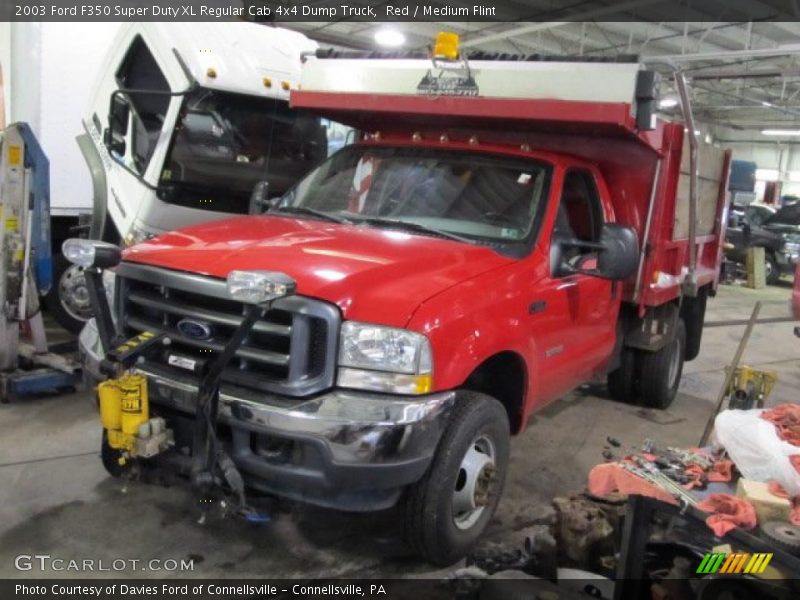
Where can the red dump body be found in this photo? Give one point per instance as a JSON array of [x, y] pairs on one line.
[[601, 133]]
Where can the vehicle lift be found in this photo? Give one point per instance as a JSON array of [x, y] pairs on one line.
[[26, 270]]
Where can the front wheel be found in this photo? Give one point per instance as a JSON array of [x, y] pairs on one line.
[[450, 507], [661, 371]]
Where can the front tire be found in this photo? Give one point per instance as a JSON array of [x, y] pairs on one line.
[[450, 507], [661, 371]]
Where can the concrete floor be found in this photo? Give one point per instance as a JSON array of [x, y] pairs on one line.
[[56, 499]]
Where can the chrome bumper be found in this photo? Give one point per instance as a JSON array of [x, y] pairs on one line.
[[356, 428]]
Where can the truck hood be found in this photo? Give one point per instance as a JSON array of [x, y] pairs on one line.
[[372, 274]]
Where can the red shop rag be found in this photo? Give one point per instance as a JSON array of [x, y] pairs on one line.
[[786, 418], [728, 512], [776, 489]]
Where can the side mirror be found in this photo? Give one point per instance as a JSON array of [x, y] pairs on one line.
[[617, 254], [260, 202], [119, 113]]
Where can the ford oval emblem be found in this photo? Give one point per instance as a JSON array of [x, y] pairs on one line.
[[197, 330]]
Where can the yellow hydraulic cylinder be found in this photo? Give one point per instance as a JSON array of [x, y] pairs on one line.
[[123, 408]]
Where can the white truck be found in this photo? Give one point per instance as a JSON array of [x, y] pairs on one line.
[[184, 119]]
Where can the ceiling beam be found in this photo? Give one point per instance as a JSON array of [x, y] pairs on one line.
[[533, 27]]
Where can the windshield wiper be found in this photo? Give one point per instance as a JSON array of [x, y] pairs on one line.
[[415, 227], [304, 210]]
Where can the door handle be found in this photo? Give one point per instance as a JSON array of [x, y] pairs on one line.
[[537, 306]]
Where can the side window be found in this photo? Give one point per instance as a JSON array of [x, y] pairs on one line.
[[580, 215], [139, 71]]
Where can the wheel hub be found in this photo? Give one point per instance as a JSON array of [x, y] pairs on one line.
[[474, 483], [73, 293]]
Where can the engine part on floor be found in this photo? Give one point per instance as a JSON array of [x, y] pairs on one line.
[[585, 530], [531, 550], [729, 374], [749, 387], [784, 534], [26, 270]]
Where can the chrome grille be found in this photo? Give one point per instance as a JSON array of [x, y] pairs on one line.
[[292, 350]]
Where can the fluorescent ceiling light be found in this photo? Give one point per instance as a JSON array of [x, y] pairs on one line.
[[390, 38], [668, 102], [780, 132]]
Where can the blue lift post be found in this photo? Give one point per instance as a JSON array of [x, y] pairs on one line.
[[26, 269]]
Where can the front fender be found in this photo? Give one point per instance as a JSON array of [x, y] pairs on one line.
[[478, 318]]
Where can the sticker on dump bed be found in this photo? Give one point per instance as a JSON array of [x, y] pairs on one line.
[[182, 362], [15, 156]]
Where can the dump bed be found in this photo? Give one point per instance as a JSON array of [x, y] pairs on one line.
[[602, 112]]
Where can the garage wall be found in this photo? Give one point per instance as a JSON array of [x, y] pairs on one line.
[[767, 153], [5, 62], [53, 69]]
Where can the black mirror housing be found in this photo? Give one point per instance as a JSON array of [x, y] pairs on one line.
[[619, 257], [617, 254]]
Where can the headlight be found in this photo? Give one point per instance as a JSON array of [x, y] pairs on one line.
[[384, 359]]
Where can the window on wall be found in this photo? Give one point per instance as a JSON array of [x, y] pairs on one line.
[[140, 72]]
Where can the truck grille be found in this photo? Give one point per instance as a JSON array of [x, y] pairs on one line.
[[291, 351]]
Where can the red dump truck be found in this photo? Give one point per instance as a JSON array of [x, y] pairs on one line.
[[503, 231]]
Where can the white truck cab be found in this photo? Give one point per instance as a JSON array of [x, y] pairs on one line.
[[186, 118]]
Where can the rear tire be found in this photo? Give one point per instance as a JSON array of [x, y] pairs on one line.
[[442, 520], [772, 269], [661, 371], [622, 381]]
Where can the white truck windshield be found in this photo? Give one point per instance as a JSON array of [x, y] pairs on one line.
[[225, 143]]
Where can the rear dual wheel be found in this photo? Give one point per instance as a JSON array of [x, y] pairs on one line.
[[650, 378]]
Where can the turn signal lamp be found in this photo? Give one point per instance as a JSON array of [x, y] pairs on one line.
[[257, 287], [446, 45]]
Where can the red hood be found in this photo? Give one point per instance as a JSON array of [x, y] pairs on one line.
[[374, 275]]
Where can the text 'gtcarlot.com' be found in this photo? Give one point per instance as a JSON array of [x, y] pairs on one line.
[[46, 562]]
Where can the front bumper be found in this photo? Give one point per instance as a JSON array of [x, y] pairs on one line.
[[342, 449]]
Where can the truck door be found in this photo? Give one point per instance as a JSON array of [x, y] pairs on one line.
[[581, 310]]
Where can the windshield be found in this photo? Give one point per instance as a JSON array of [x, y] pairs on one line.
[[788, 215], [476, 196], [225, 143]]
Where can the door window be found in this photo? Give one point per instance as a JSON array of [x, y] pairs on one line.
[[139, 71], [580, 217]]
